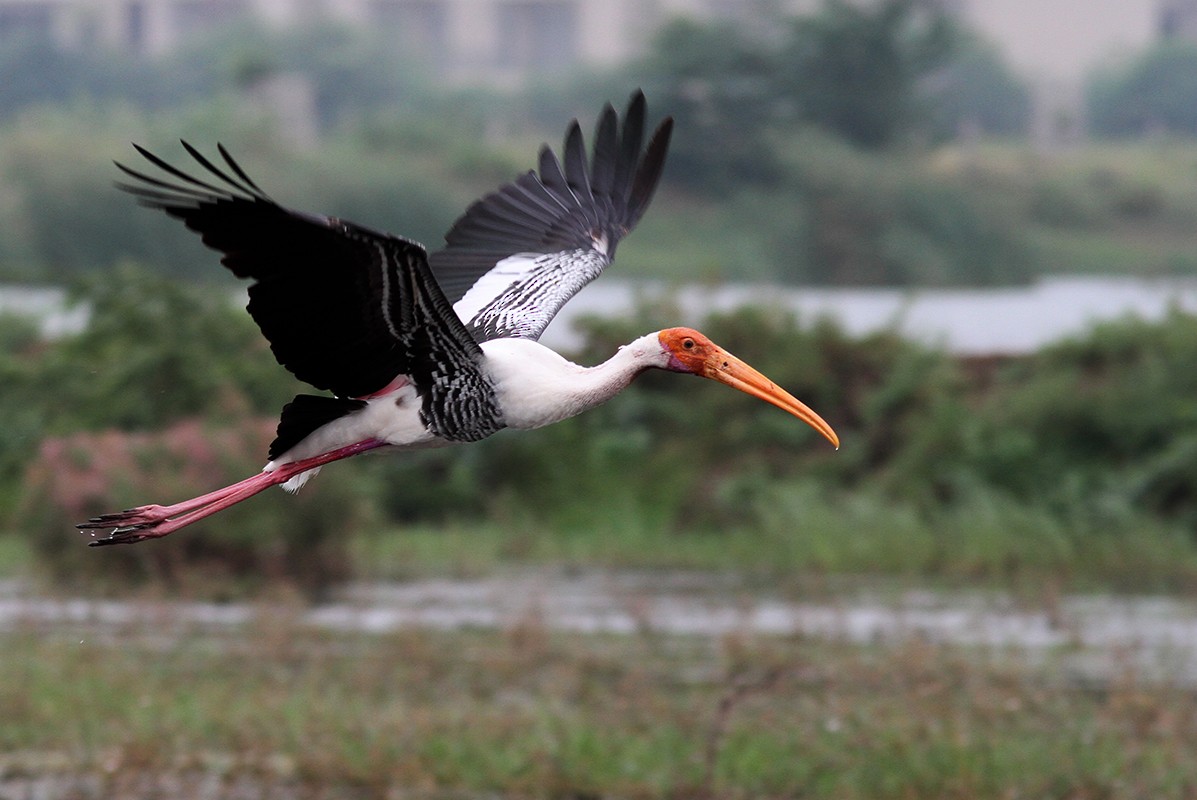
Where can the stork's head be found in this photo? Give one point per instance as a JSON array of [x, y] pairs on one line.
[[688, 350]]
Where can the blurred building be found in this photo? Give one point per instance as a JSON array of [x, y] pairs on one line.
[[495, 40], [1055, 45], [1178, 19], [505, 40]]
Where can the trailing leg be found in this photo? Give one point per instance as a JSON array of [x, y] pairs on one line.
[[154, 521]]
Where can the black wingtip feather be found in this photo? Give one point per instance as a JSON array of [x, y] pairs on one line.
[[184, 188], [632, 137], [552, 176], [603, 163], [175, 171], [574, 157], [240, 173], [203, 161], [648, 173]]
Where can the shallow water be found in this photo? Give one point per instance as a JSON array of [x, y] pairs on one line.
[[967, 321], [1087, 637]]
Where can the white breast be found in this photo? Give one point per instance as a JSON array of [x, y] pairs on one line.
[[532, 383]]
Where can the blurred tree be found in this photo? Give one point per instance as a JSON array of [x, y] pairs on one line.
[[763, 120], [975, 92], [353, 71], [717, 82], [858, 69], [39, 72], [169, 392], [154, 352], [873, 75], [56, 167], [1154, 92], [157, 351]]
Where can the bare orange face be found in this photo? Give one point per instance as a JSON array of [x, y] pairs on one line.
[[693, 352], [691, 349]]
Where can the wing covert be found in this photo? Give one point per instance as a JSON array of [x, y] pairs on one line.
[[520, 253]]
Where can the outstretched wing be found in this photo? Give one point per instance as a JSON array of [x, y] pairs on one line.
[[517, 255], [345, 308]]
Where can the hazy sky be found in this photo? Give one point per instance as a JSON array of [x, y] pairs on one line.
[[1061, 39]]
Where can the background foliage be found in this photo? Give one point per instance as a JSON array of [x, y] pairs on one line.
[[1153, 94], [861, 145], [905, 162], [813, 152], [993, 468]]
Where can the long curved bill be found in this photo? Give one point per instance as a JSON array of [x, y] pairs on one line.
[[726, 368]]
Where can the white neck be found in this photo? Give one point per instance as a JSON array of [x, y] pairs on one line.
[[536, 387]]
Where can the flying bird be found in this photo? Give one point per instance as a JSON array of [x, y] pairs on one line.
[[424, 351]]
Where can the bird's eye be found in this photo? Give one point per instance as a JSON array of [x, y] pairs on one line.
[[688, 344]]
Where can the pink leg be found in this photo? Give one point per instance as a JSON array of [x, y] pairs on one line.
[[153, 521]]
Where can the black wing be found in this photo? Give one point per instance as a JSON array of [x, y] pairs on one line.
[[345, 308], [517, 255]]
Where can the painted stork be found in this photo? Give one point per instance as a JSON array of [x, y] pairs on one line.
[[422, 351]]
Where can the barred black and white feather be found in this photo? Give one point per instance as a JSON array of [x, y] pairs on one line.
[[519, 254]]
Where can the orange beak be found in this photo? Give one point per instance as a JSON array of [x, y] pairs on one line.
[[722, 366]]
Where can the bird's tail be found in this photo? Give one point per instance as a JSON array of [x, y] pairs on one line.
[[306, 413]]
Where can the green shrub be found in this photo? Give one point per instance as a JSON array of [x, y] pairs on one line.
[[267, 540], [982, 467], [162, 397], [1113, 411]]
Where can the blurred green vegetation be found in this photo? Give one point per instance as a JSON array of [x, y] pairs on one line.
[[273, 707], [170, 391], [1152, 94], [1073, 465], [987, 215], [778, 171]]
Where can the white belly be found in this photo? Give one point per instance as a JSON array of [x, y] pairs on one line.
[[393, 418]]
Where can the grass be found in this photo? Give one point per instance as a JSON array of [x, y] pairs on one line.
[[1105, 209], [691, 241], [16, 556], [528, 712], [790, 535], [794, 535], [1108, 209], [1116, 253], [956, 215]]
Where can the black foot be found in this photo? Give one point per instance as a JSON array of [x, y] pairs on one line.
[[130, 534]]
